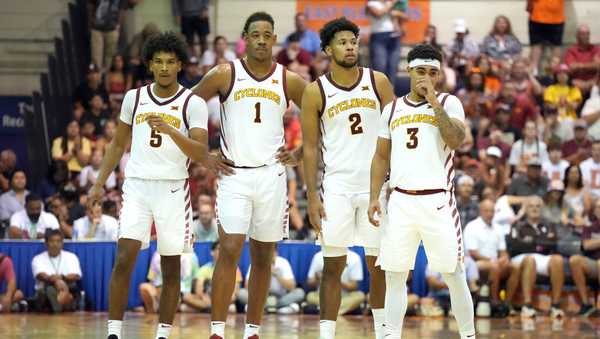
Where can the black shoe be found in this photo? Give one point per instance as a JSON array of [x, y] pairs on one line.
[[112, 336], [586, 310], [500, 310]]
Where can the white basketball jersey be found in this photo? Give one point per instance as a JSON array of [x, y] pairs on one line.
[[420, 159], [252, 116], [349, 128], [155, 155]]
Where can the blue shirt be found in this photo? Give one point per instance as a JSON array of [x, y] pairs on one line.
[[310, 41]]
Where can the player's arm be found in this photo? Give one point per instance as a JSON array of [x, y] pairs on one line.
[[452, 129], [384, 88], [295, 88], [195, 147], [216, 82]]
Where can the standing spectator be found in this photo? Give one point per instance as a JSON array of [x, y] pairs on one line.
[[8, 163], [520, 107], [463, 49], [587, 266], [531, 243], [192, 16], [11, 295], [95, 225], [14, 200], [90, 173], [205, 228], [309, 39], [576, 196], [118, 80], [579, 148], [528, 148], [384, 43], [561, 95], [220, 51], [583, 60], [546, 25], [191, 74], [85, 91], [72, 148], [591, 114], [466, 202], [56, 273], [32, 222], [532, 183], [284, 297], [590, 171], [105, 26], [554, 168], [501, 44], [352, 297], [294, 57]]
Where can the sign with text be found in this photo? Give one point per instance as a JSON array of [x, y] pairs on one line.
[[12, 125]]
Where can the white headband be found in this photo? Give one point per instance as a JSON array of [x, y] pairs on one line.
[[424, 62]]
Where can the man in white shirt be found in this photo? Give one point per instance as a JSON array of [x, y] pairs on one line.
[[32, 222], [485, 243], [284, 297], [89, 173], [352, 275], [590, 170], [554, 168], [56, 272], [95, 225]]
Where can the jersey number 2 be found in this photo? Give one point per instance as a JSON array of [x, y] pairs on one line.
[[355, 128], [414, 141], [257, 114], [155, 139]]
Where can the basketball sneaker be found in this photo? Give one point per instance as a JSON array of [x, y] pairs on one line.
[[112, 336], [556, 313], [215, 336], [528, 312]]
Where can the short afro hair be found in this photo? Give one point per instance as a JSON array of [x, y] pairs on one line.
[[337, 25], [258, 16], [424, 51], [168, 42]]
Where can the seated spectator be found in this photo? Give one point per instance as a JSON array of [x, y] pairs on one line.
[[463, 48], [72, 148], [108, 133], [501, 43], [554, 167], [556, 210], [494, 170], [579, 148], [58, 207], [309, 39], [220, 50], [485, 243], [118, 80], [563, 96], [466, 202], [294, 57], [493, 137], [32, 222], [283, 296], [57, 273], [438, 290], [8, 163], [591, 114], [590, 171], [85, 91], [532, 183], [583, 60], [191, 74], [521, 107], [501, 121], [12, 297], [151, 291], [587, 265], [14, 200], [90, 173], [200, 299], [491, 80], [95, 225], [576, 196], [530, 148], [352, 297], [475, 102], [97, 114], [525, 82], [531, 243], [205, 228]]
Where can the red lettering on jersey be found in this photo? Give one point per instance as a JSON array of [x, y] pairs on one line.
[[174, 108], [365, 88]]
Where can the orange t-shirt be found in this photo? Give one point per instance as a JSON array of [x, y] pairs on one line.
[[548, 11]]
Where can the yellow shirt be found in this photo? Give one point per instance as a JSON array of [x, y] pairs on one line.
[[73, 164], [554, 93]]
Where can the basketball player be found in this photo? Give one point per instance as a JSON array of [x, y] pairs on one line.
[[166, 125], [418, 135], [340, 113], [252, 193]]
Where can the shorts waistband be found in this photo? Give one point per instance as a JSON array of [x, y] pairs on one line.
[[247, 167], [420, 192]]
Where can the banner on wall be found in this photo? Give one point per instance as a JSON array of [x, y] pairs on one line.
[[12, 125], [318, 12]]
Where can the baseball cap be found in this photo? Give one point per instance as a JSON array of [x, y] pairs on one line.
[[494, 151], [580, 123], [460, 25], [193, 60], [556, 185]]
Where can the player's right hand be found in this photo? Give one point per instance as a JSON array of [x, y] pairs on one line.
[[374, 208], [219, 165], [316, 214], [96, 193]]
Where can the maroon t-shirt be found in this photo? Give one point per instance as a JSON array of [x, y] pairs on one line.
[[6, 268], [592, 232]]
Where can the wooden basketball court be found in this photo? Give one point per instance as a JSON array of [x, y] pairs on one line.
[[191, 326]]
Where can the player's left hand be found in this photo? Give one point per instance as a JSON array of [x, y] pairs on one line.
[[374, 208], [217, 164], [288, 158], [159, 124]]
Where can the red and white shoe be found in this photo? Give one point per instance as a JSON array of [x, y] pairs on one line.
[[215, 336]]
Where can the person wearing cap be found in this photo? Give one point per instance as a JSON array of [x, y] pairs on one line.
[[579, 148], [493, 168], [530, 147], [565, 97], [583, 59], [590, 171], [554, 168], [463, 48], [532, 183], [467, 203], [555, 209], [191, 73]]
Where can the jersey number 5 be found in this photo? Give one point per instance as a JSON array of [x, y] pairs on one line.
[[414, 141], [155, 139], [355, 127]]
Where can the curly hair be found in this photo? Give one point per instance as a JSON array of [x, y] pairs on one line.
[[337, 25], [168, 42], [424, 51], [258, 16]]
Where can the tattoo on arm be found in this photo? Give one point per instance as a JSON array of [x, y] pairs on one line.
[[452, 131]]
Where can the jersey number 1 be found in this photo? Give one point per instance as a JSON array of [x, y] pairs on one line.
[[257, 113], [155, 139]]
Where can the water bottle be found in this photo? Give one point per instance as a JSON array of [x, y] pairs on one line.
[[484, 308], [82, 301]]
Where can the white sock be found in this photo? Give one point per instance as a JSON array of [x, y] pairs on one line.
[[327, 329], [396, 303], [378, 320], [114, 327], [218, 328], [462, 304], [251, 330], [163, 331]]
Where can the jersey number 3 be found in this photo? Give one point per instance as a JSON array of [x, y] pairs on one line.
[[155, 139], [355, 127], [414, 141]]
